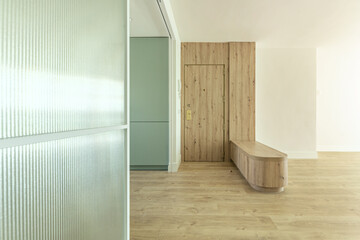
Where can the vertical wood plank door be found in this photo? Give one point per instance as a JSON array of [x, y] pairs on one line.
[[204, 113], [242, 91]]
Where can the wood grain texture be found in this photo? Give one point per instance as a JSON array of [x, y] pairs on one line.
[[204, 131], [242, 91], [258, 150], [212, 201], [265, 169], [205, 54]]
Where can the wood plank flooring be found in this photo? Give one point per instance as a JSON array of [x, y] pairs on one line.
[[208, 201]]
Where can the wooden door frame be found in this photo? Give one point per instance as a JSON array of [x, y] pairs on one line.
[[219, 56], [183, 116]]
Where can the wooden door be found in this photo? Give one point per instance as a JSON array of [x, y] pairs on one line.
[[204, 113]]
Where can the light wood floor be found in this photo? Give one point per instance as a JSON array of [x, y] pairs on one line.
[[213, 201]]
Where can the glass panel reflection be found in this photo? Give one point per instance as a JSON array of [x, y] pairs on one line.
[[65, 189], [62, 65]]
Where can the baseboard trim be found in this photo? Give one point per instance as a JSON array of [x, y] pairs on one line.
[[330, 148], [174, 167], [302, 155], [148, 167]]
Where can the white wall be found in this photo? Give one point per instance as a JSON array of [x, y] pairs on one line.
[[178, 102], [175, 91], [146, 19], [286, 100], [338, 100]]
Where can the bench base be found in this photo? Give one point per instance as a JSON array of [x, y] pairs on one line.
[[267, 189], [264, 168]]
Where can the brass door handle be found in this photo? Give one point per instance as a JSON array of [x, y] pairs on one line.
[[188, 115]]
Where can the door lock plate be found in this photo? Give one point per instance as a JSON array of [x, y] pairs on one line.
[[188, 115]]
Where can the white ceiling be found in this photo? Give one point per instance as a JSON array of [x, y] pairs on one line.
[[146, 19], [275, 23]]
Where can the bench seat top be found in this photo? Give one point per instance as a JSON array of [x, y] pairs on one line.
[[258, 150]]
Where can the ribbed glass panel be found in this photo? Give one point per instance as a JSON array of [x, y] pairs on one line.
[[62, 65], [70, 189]]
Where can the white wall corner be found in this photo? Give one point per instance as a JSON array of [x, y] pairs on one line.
[[166, 7], [302, 155], [175, 97], [174, 166]]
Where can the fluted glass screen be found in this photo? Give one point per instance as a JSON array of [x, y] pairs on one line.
[[64, 189], [62, 65], [63, 127]]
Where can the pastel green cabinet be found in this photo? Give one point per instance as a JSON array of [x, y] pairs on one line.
[[149, 146], [149, 103], [149, 79]]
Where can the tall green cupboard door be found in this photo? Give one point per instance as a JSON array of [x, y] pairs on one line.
[[149, 109]]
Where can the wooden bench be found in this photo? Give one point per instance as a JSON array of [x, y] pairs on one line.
[[265, 168]]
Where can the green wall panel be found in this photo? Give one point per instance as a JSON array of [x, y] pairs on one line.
[[149, 145], [149, 79]]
